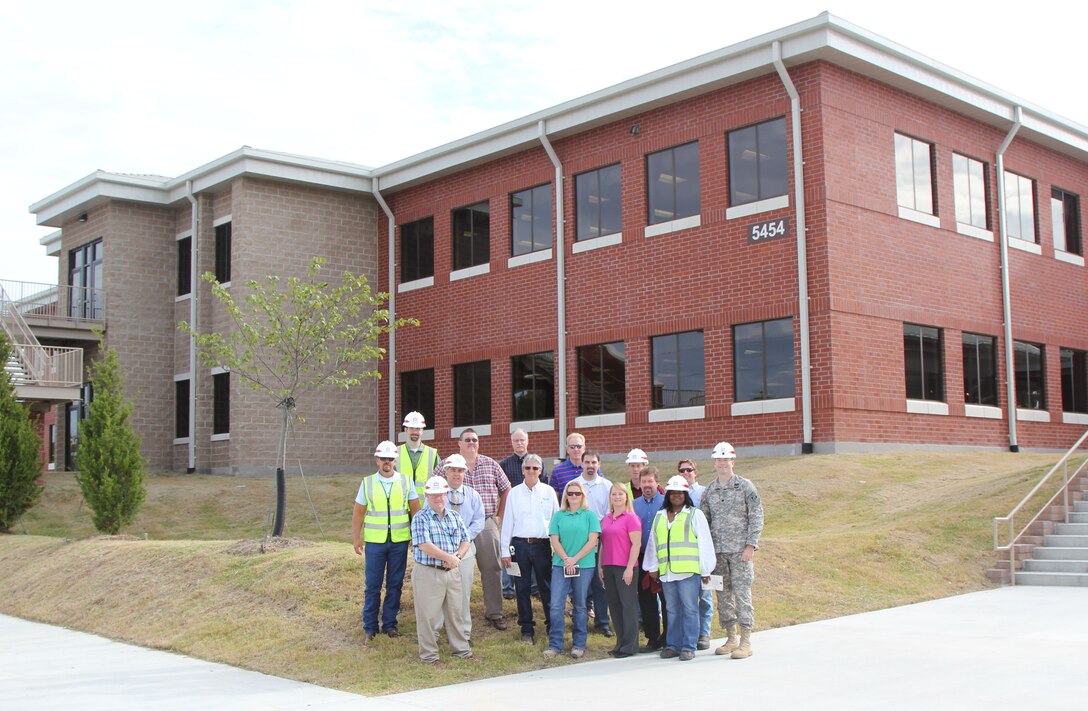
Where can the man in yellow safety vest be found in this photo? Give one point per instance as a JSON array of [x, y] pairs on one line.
[[417, 461]]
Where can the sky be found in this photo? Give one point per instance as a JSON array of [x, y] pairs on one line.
[[162, 88]]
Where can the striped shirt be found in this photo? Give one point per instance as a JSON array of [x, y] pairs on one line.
[[446, 531]]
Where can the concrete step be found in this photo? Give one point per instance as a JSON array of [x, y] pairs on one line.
[[1059, 553], [1055, 566], [1059, 579], [1081, 506], [1078, 517], [1071, 529], [1066, 541]]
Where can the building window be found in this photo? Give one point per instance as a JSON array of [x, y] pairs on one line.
[[471, 235], [85, 281], [1020, 207], [672, 179], [679, 376], [531, 220], [74, 414], [52, 445], [602, 379], [221, 403], [185, 266], [979, 370], [222, 252], [923, 364], [763, 360], [417, 250], [757, 162], [914, 174], [1028, 364], [472, 394], [597, 202], [532, 384], [1065, 215], [181, 408], [417, 393], [969, 183], [1074, 382]]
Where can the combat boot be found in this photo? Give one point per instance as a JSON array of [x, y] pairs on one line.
[[745, 649], [731, 643]]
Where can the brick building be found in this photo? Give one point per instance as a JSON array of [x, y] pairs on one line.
[[814, 240]]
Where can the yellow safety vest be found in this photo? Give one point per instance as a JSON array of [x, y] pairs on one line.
[[422, 471], [386, 518], [677, 547]]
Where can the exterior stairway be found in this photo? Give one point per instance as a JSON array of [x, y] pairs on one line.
[[1063, 557], [42, 375]]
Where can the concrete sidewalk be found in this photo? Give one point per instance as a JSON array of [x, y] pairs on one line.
[[1012, 648]]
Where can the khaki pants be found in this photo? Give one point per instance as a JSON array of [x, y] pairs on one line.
[[468, 574], [438, 592], [487, 560]]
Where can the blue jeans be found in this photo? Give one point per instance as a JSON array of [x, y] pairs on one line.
[[577, 588], [385, 562], [682, 601], [706, 611]]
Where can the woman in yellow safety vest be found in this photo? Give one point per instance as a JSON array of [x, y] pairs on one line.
[[681, 555]]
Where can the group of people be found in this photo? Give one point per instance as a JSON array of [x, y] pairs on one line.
[[619, 552]]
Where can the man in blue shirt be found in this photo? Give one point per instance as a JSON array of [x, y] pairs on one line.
[[570, 468], [650, 595], [463, 499]]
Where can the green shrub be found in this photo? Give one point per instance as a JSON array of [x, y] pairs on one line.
[[20, 451]]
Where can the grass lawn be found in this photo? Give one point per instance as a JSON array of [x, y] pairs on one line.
[[844, 534]]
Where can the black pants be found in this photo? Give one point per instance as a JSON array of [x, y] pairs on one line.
[[532, 558], [654, 624], [623, 606]]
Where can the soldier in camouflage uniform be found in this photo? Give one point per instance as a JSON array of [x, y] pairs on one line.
[[732, 506]]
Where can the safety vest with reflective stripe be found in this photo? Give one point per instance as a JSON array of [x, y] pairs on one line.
[[423, 470], [677, 547], [386, 518]]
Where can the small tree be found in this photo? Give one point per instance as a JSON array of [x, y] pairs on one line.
[[20, 451], [295, 335], [110, 470]]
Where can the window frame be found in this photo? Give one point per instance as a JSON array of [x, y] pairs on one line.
[[1019, 348], [658, 350], [924, 389], [588, 385], [224, 238], [181, 408], [676, 213], [534, 194], [86, 264], [476, 376], [601, 199], [419, 389], [221, 403], [1074, 380], [475, 239], [736, 164], [765, 388], [185, 266], [540, 369], [1021, 181], [973, 355], [421, 265], [915, 202], [972, 182], [1069, 205]]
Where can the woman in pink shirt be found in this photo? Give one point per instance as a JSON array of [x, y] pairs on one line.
[[621, 539]]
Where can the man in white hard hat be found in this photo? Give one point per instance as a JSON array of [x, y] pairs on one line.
[[441, 543], [383, 508], [418, 461], [734, 511], [463, 499], [636, 461], [680, 554]]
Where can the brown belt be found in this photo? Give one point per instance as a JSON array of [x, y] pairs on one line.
[[530, 540]]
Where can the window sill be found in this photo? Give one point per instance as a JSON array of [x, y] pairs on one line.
[[615, 419], [402, 436], [469, 272], [541, 255], [1032, 415], [664, 228], [482, 430], [763, 407], [988, 412], [51, 467], [1074, 418], [757, 207], [220, 437], [907, 213], [1069, 258], [1024, 246], [927, 407], [183, 297], [976, 232], [587, 245], [181, 440], [415, 284], [225, 285], [533, 426], [675, 414]]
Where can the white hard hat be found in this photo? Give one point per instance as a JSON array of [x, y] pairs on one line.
[[678, 483], [723, 450], [386, 449], [414, 419], [455, 461], [637, 456], [436, 485]]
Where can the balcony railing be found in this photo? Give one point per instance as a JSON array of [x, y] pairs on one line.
[[52, 303], [46, 366]]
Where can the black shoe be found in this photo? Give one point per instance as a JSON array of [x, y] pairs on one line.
[[703, 643], [650, 648], [615, 654], [669, 653], [606, 632], [393, 633], [528, 638], [507, 596]]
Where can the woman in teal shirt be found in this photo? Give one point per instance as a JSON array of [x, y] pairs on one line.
[[574, 530]]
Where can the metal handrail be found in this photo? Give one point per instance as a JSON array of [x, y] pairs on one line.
[[19, 335], [1063, 491], [50, 366], [75, 304]]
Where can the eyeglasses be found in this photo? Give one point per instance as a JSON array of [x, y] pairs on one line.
[[470, 441], [387, 459], [575, 446], [573, 493], [533, 469], [685, 470]]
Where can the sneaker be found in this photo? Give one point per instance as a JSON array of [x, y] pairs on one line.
[[687, 656], [669, 653], [577, 653], [703, 643], [528, 638], [550, 654]]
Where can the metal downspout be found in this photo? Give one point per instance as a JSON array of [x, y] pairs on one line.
[[802, 248], [391, 275], [194, 279], [1006, 304], [561, 292]]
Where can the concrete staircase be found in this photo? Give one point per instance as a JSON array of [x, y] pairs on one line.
[[1052, 551]]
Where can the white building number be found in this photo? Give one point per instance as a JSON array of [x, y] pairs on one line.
[[768, 230]]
